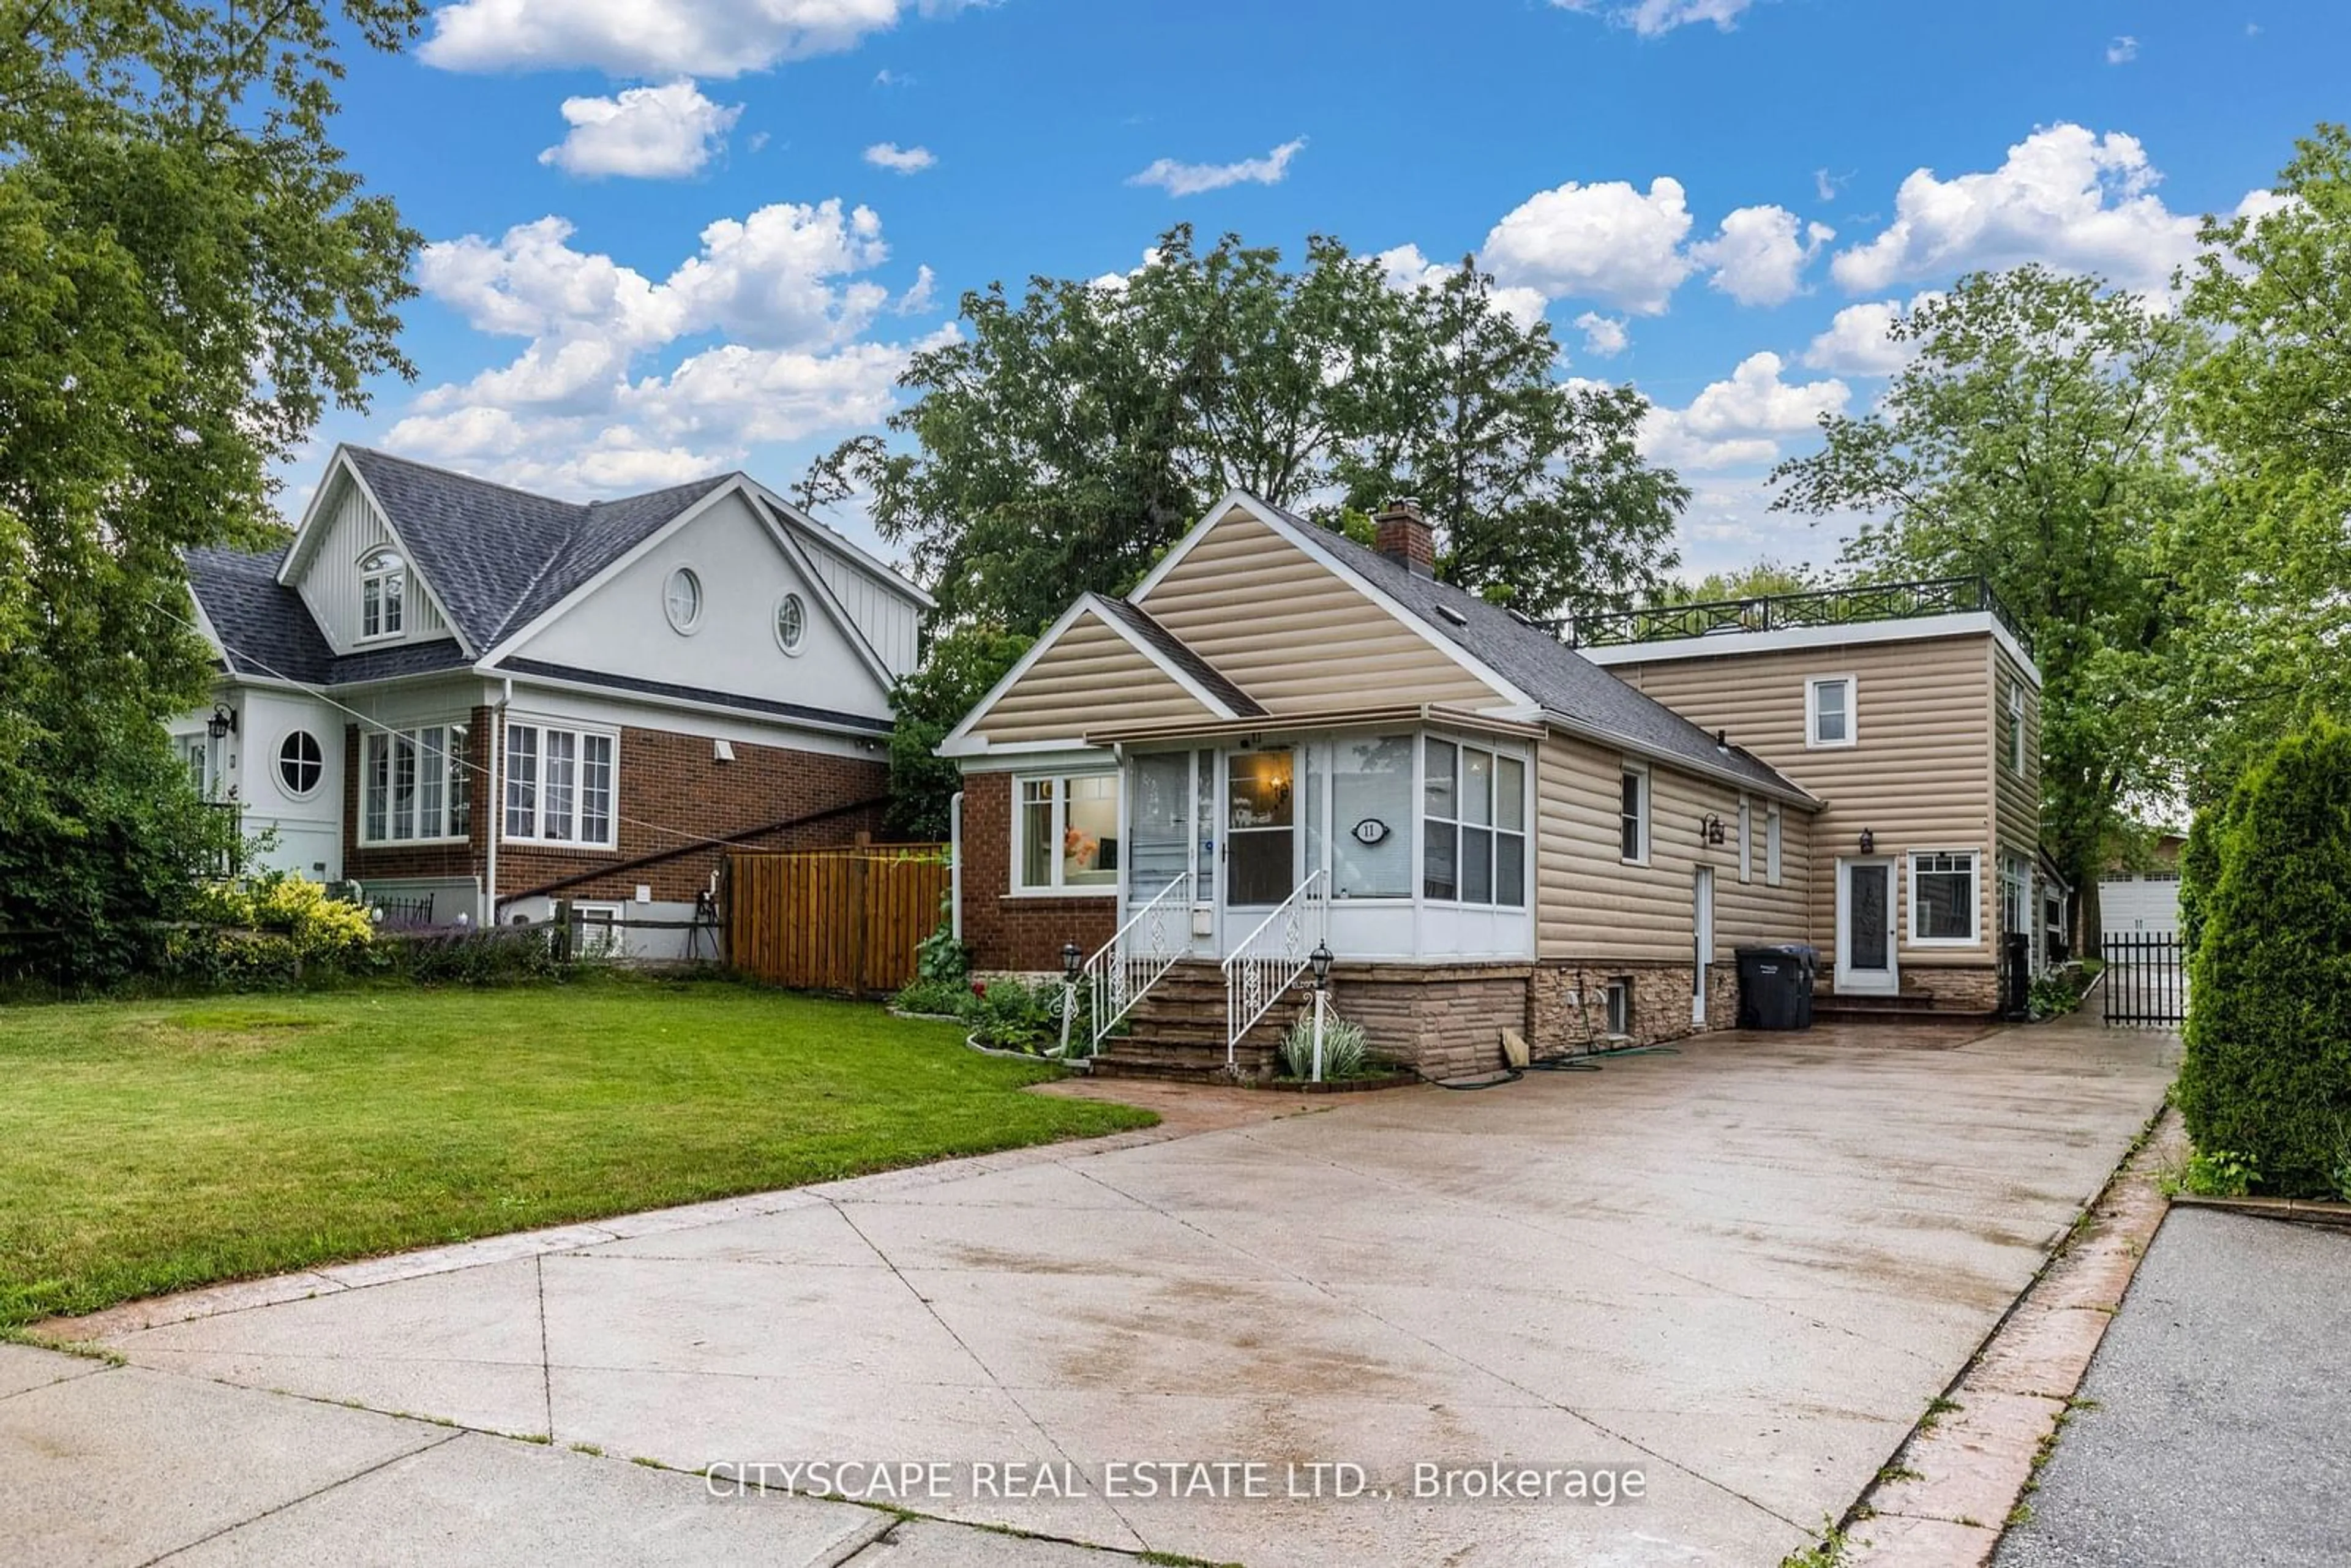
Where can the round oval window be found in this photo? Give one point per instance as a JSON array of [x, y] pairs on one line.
[[301, 763], [791, 623], [682, 599]]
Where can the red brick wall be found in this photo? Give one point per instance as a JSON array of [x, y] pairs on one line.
[[673, 791], [1004, 932]]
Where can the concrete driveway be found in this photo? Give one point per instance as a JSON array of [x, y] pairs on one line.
[[1741, 1270]]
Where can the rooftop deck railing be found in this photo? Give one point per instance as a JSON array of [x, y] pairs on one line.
[[1848, 606]]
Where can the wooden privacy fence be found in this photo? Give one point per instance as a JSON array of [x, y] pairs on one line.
[[835, 920]]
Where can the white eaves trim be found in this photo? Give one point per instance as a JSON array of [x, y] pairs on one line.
[[833, 538], [961, 742], [1963, 624], [1272, 518], [298, 554], [1568, 723]]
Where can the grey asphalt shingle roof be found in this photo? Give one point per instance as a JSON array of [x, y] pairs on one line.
[[497, 557], [1554, 675], [1146, 626], [266, 629]]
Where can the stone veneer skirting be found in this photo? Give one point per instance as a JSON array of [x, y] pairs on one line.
[[1447, 1020]]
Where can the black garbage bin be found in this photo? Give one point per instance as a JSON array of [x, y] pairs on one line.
[[1775, 986]]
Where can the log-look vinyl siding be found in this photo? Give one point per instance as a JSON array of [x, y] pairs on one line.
[[1591, 905], [1919, 776], [2019, 794], [1292, 633], [1090, 675]]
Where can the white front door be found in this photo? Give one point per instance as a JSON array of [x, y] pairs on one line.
[[1865, 964], [1704, 927]]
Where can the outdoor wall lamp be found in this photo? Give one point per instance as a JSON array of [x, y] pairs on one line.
[[1709, 828], [1868, 841], [1071, 958], [1319, 961], [221, 725]]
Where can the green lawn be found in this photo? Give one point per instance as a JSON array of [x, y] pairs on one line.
[[150, 1146]]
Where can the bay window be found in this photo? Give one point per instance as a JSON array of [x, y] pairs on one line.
[[561, 784], [1943, 897], [414, 784], [1065, 834], [1473, 825]]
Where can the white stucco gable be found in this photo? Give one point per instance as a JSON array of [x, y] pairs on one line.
[[745, 571]]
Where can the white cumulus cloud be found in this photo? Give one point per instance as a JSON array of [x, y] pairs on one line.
[[656, 38], [1760, 254], [2066, 196], [1191, 179], [1859, 340], [587, 407], [1740, 422], [1652, 17], [2123, 50], [1607, 242], [1603, 336], [899, 160], [645, 133], [1408, 269]]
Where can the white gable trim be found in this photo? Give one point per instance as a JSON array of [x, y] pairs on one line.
[[508, 642], [794, 552], [833, 538], [960, 742], [1337, 568], [298, 554]]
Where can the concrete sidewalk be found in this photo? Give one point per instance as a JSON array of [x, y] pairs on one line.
[[122, 1465], [2216, 1413], [1742, 1270]]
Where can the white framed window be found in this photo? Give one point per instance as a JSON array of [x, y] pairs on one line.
[[1620, 1006], [1065, 834], [1830, 719], [1473, 825], [681, 601], [301, 764], [791, 623], [414, 785], [601, 933], [1746, 838], [384, 594], [2015, 895], [1632, 816], [1367, 841], [1772, 862], [561, 783], [2013, 722], [1943, 894]]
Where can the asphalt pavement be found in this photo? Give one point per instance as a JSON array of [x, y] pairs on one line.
[[2216, 1426]]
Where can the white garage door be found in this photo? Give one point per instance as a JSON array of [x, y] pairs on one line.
[[2139, 904]]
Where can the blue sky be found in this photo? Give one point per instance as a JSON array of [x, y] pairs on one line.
[[668, 237]]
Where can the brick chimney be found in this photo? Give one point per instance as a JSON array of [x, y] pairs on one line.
[[1405, 536]]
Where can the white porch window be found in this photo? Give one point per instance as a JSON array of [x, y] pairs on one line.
[[413, 785], [1943, 898], [561, 784], [1065, 834], [2015, 895], [1474, 825], [1370, 829], [384, 594], [1829, 719]]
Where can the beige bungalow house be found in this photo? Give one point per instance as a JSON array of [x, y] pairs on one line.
[[1282, 739]]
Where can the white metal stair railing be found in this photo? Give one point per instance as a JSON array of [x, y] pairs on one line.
[[1134, 960], [1265, 962]]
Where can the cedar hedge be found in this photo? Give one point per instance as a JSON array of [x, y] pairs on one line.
[[2267, 1072]]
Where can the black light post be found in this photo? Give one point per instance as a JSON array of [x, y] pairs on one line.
[[1319, 961], [1072, 957]]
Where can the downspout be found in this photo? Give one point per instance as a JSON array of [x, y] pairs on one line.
[[496, 805], [954, 863]]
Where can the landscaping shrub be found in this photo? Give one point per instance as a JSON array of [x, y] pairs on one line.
[[928, 995], [498, 956], [2267, 1074], [2200, 867], [1344, 1049], [1013, 1015]]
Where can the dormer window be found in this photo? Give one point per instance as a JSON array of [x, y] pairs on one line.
[[384, 594]]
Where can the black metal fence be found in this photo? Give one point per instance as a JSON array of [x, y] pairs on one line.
[[1777, 611], [2147, 978]]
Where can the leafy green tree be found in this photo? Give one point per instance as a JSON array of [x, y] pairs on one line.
[[2267, 1071], [188, 277], [2269, 555], [1761, 580], [2030, 442], [962, 667], [1072, 436]]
